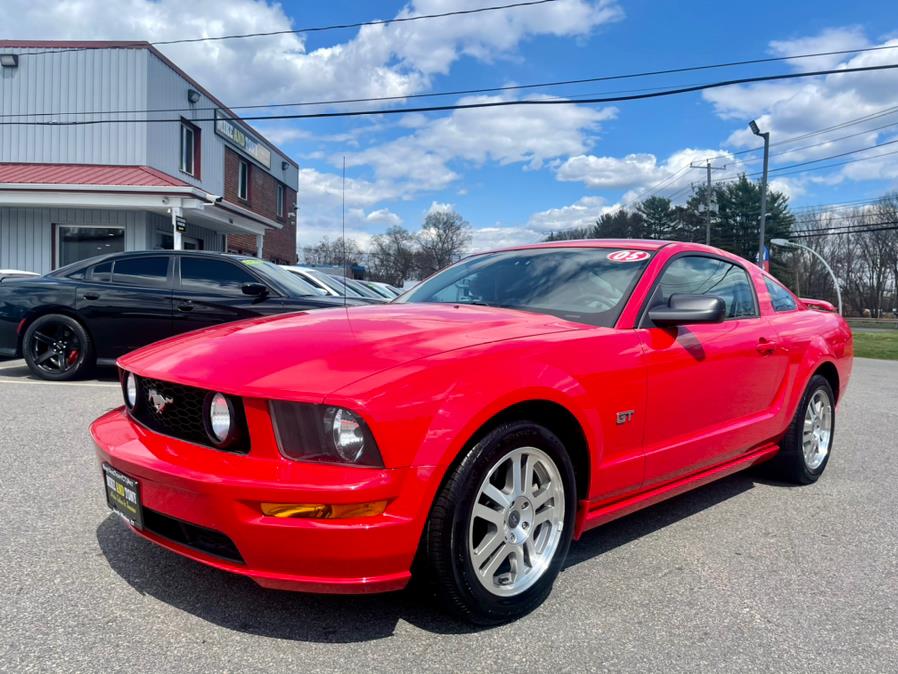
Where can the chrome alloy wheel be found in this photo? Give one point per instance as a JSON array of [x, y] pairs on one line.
[[517, 521], [817, 434]]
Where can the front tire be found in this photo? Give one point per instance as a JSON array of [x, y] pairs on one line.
[[807, 445], [57, 347], [502, 524]]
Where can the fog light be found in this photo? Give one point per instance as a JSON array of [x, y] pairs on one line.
[[322, 511], [131, 390]]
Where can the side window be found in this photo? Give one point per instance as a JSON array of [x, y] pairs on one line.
[[215, 276], [781, 298], [695, 275], [141, 271], [101, 272]]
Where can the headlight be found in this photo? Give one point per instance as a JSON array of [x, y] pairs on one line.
[[221, 420], [130, 390], [323, 433]]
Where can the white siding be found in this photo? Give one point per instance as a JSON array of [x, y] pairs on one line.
[[90, 80], [26, 233], [168, 90]]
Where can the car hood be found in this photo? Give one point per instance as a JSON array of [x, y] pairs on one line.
[[308, 355]]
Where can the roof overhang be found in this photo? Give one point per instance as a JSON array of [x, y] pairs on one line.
[[198, 206]]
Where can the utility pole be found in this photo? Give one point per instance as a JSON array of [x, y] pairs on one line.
[[709, 168], [766, 136]]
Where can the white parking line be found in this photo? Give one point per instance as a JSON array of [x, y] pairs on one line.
[[31, 382]]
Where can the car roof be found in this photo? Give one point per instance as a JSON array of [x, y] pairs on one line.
[[649, 245], [97, 259]]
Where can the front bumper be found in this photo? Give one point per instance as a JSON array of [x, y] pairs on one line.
[[221, 491]]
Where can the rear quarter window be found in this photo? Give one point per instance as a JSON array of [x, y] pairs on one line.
[[781, 299]]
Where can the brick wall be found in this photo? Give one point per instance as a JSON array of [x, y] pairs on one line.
[[280, 245]]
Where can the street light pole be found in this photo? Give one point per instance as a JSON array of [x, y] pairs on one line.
[[785, 243], [766, 136]]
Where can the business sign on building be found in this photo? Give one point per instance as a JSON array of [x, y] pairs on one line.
[[225, 127]]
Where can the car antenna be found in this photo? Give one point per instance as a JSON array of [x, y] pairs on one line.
[[343, 216]]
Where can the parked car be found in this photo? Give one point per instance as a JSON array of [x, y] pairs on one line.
[[326, 283], [16, 273], [360, 288], [473, 428], [96, 310], [383, 289]]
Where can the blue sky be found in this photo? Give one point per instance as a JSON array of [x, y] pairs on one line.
[[516, 173]]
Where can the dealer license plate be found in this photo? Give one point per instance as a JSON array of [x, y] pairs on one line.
[[123, 495]]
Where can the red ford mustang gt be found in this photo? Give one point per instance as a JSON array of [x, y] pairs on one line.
[[474, 426]]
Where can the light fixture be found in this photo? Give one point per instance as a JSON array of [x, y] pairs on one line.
[[283, 166], [9, 60], [754, 127], [783, 243], [193, 96]]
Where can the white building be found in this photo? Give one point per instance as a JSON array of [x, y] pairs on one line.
[[162, 163]]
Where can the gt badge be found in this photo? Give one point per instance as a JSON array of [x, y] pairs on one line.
[[158, 401], [624, 417]]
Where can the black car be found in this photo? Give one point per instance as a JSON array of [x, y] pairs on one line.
[[95, 310]]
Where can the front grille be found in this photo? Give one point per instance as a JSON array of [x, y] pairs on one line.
[[191, 535], [178, 411]]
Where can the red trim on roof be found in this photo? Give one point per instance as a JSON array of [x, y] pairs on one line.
[[86, 174], [140, 44]]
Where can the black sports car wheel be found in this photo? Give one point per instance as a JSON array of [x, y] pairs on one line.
[[501, 526], [58, 348]]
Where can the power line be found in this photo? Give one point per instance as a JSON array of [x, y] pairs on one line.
[[487, 104], [656, 187], [484, 90], [851, 122], [318, 29]]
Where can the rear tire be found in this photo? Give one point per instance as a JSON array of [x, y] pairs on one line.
[[56, 347], [501, 526], [806, 447]]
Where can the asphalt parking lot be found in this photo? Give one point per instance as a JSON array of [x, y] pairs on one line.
[[743, 575]]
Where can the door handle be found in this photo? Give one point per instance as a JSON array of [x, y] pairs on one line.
[[766, 346], [185, 305], [91, 296]]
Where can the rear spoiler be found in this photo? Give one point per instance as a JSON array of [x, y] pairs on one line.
[[817, 305]]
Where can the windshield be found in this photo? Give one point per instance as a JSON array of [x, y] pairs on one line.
[[332, 283], [360, 288], [587, 285], [380, 290], [283, 279]]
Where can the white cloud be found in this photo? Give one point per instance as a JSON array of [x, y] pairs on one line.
[[383, 60], [530, 135], [585, 211], [643, 173], [792, 109], [383, 216]]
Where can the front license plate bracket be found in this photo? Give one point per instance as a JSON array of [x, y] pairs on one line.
[[123, 496]]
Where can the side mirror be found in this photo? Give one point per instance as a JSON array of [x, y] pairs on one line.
[[254, 289], [684, 309]]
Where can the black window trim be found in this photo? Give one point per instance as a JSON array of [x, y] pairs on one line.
[[642, 322], [179, 286], [243, 163]]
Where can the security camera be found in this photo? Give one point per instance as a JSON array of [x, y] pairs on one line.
[[214, 198]]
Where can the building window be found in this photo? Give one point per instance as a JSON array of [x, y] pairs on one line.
[[243, 180], [79, 243], [280, 200], [190, 149]]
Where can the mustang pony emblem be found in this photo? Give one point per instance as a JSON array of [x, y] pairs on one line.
[[158, 401]]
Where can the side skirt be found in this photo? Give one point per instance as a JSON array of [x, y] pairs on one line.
[[589, 517]]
